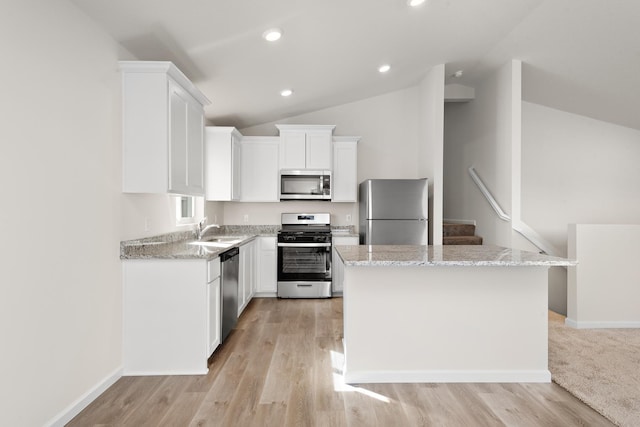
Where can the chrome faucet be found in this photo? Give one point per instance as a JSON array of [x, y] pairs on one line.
[[201, 228]]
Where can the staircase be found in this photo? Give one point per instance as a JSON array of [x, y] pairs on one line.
[[460, 234]]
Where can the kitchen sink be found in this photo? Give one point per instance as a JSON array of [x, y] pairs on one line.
[[217, 241], [221, 239]]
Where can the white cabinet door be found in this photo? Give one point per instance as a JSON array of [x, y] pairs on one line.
[[259, 177], [222, 163], [305, 146], [293, 150], [318, 150], [214, 324], [162, 142], [178, 111], [214, 306], [236, 161], [345, 170], [246, 280], [267, 265], [195, 148]]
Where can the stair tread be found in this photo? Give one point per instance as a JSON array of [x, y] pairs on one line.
[[462, 240], [449, 229]]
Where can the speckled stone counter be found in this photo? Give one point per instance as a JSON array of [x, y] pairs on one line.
[[444, 313], [344, 231], [451, 255], [181, 245]]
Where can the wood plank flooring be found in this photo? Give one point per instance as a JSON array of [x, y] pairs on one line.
[[281, 367]]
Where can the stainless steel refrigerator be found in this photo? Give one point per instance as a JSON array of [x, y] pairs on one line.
[[394, 212]]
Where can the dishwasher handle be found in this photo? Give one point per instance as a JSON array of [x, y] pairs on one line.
[[225, 256]]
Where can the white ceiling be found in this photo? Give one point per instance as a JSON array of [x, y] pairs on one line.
[[581, 56]]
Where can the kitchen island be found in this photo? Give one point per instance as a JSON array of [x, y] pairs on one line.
[[445, 313]]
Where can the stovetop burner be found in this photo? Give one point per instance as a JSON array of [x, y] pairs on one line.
[[311, 229], [305, 227]]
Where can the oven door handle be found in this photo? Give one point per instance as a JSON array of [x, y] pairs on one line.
[[304, 245]]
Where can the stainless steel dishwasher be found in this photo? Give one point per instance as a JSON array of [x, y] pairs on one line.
[[230, 266]]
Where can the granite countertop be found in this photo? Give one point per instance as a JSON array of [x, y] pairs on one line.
[[344, 231], [181, 245], [450, 255]]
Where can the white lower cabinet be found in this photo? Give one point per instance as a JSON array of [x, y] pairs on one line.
[[267, 266], [171, 315], [337, 270], [247, 275]]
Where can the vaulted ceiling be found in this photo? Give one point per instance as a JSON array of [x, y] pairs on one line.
[[581, 56]]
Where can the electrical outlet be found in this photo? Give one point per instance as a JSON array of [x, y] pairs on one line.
[[215, 218], [348, 218], [147, 223], [245, 218]]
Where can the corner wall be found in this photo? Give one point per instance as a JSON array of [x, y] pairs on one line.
[[60, 310], [431, 146], [64, 213]]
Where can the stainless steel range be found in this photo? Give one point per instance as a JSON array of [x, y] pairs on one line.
[[304, 256]]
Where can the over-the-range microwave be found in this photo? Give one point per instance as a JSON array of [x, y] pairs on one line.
[[305, 184]]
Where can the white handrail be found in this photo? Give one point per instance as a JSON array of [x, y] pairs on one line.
[[536, 239], [487, 195], [518, 226]]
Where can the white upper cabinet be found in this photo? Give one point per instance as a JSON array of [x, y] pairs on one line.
[[162, 130], [345, 169], [259, 169], [305, 146], [222, 163]]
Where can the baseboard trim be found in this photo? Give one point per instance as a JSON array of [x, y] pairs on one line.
[[76, 407], [454, 376], [579, 324], [265, 295], [163, 373]]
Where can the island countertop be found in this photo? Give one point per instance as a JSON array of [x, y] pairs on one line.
[[446, 255]]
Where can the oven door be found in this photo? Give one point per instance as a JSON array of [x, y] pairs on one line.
[[304, 262]]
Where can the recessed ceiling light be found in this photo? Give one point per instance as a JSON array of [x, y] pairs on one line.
[[272, 34], [286, 92], [415, 3], [384, 68]]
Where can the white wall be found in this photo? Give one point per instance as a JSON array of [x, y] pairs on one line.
[[577, 170], [62, 218], [388, 125]]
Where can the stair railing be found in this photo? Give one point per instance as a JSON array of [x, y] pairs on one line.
[[518, 226], [487, 195]]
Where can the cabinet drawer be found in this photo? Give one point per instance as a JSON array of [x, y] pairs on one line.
[[213, 270]]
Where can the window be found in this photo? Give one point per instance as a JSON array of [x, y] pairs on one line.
[[185, 210]]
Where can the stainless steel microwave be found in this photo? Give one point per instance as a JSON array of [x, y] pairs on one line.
[[305, 184]]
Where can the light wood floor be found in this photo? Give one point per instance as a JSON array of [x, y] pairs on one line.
[[281, 367]]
